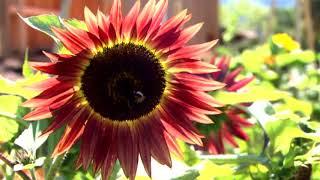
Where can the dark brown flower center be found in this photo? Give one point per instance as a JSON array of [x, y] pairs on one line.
[[124, 82]]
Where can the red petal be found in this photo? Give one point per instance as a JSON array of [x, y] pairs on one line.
[[103, 23], [237, 131], [198, 99], [186, 35], [173, 145], [48, 83], [240, 84], [144, 149], [158, 15], [193, 51], [62, 117], [116, 16], [178, 125], [50, 95], [38, 113], [173, 23], [127, 153], [71, 42], [90, 139], [196, 83], [195, 67], [145, 17], [56, 57], [72, 132], [159, 148], [67, 68], [230, 78], [130, 20], [191, 107], [235, 118], [91, 21], [81, 36], [109, 162], [166, 40], [230, 138]]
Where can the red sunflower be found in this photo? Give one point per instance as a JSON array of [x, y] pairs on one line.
[[229, 124], [129, 89]]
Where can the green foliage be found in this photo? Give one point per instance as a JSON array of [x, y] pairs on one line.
[[9, 106], [237, 16], [284, 104], [252, 94], [44, 23], [289, 58], [26, 69], [8, 129], [78, 24]]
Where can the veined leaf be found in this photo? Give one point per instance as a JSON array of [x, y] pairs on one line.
[[77, 23], [26, 69], [9, 105], [307, 56], [19, 87], [8, 129], [252, 94], [43, 23], [210, 170]]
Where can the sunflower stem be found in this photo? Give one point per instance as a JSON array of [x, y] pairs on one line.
[[236, 159], [57, 162]]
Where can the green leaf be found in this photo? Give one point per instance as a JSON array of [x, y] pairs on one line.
[[210, 170], [8, 129], [307, 56], [19, 87], [9, 105], [26, 69], [254, 60], [43, 23], [77, 23], [189, 174], [252, 94], [297, 105], [189, 155]]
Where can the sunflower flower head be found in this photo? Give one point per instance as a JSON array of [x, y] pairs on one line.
[[129, 88], [228, 124]]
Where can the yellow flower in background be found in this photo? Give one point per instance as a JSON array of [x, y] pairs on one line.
[[285, 41]]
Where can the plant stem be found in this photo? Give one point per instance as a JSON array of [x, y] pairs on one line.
[[33, 175], [265, 134], [232, 158], [55, 167], [22, 174]]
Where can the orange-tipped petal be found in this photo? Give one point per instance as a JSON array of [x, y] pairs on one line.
[[130, 20]]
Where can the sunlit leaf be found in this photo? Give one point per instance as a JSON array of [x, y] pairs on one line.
[[26, 69], [299, 105], [210, 170], [254, 60], [252, 94], [189, 155], [189, 174], [8, 129], [43, 23], [19, 87], [77, 23], [300, 56], [9, 105]]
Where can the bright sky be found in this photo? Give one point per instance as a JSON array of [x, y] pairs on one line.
[[279, 3]]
